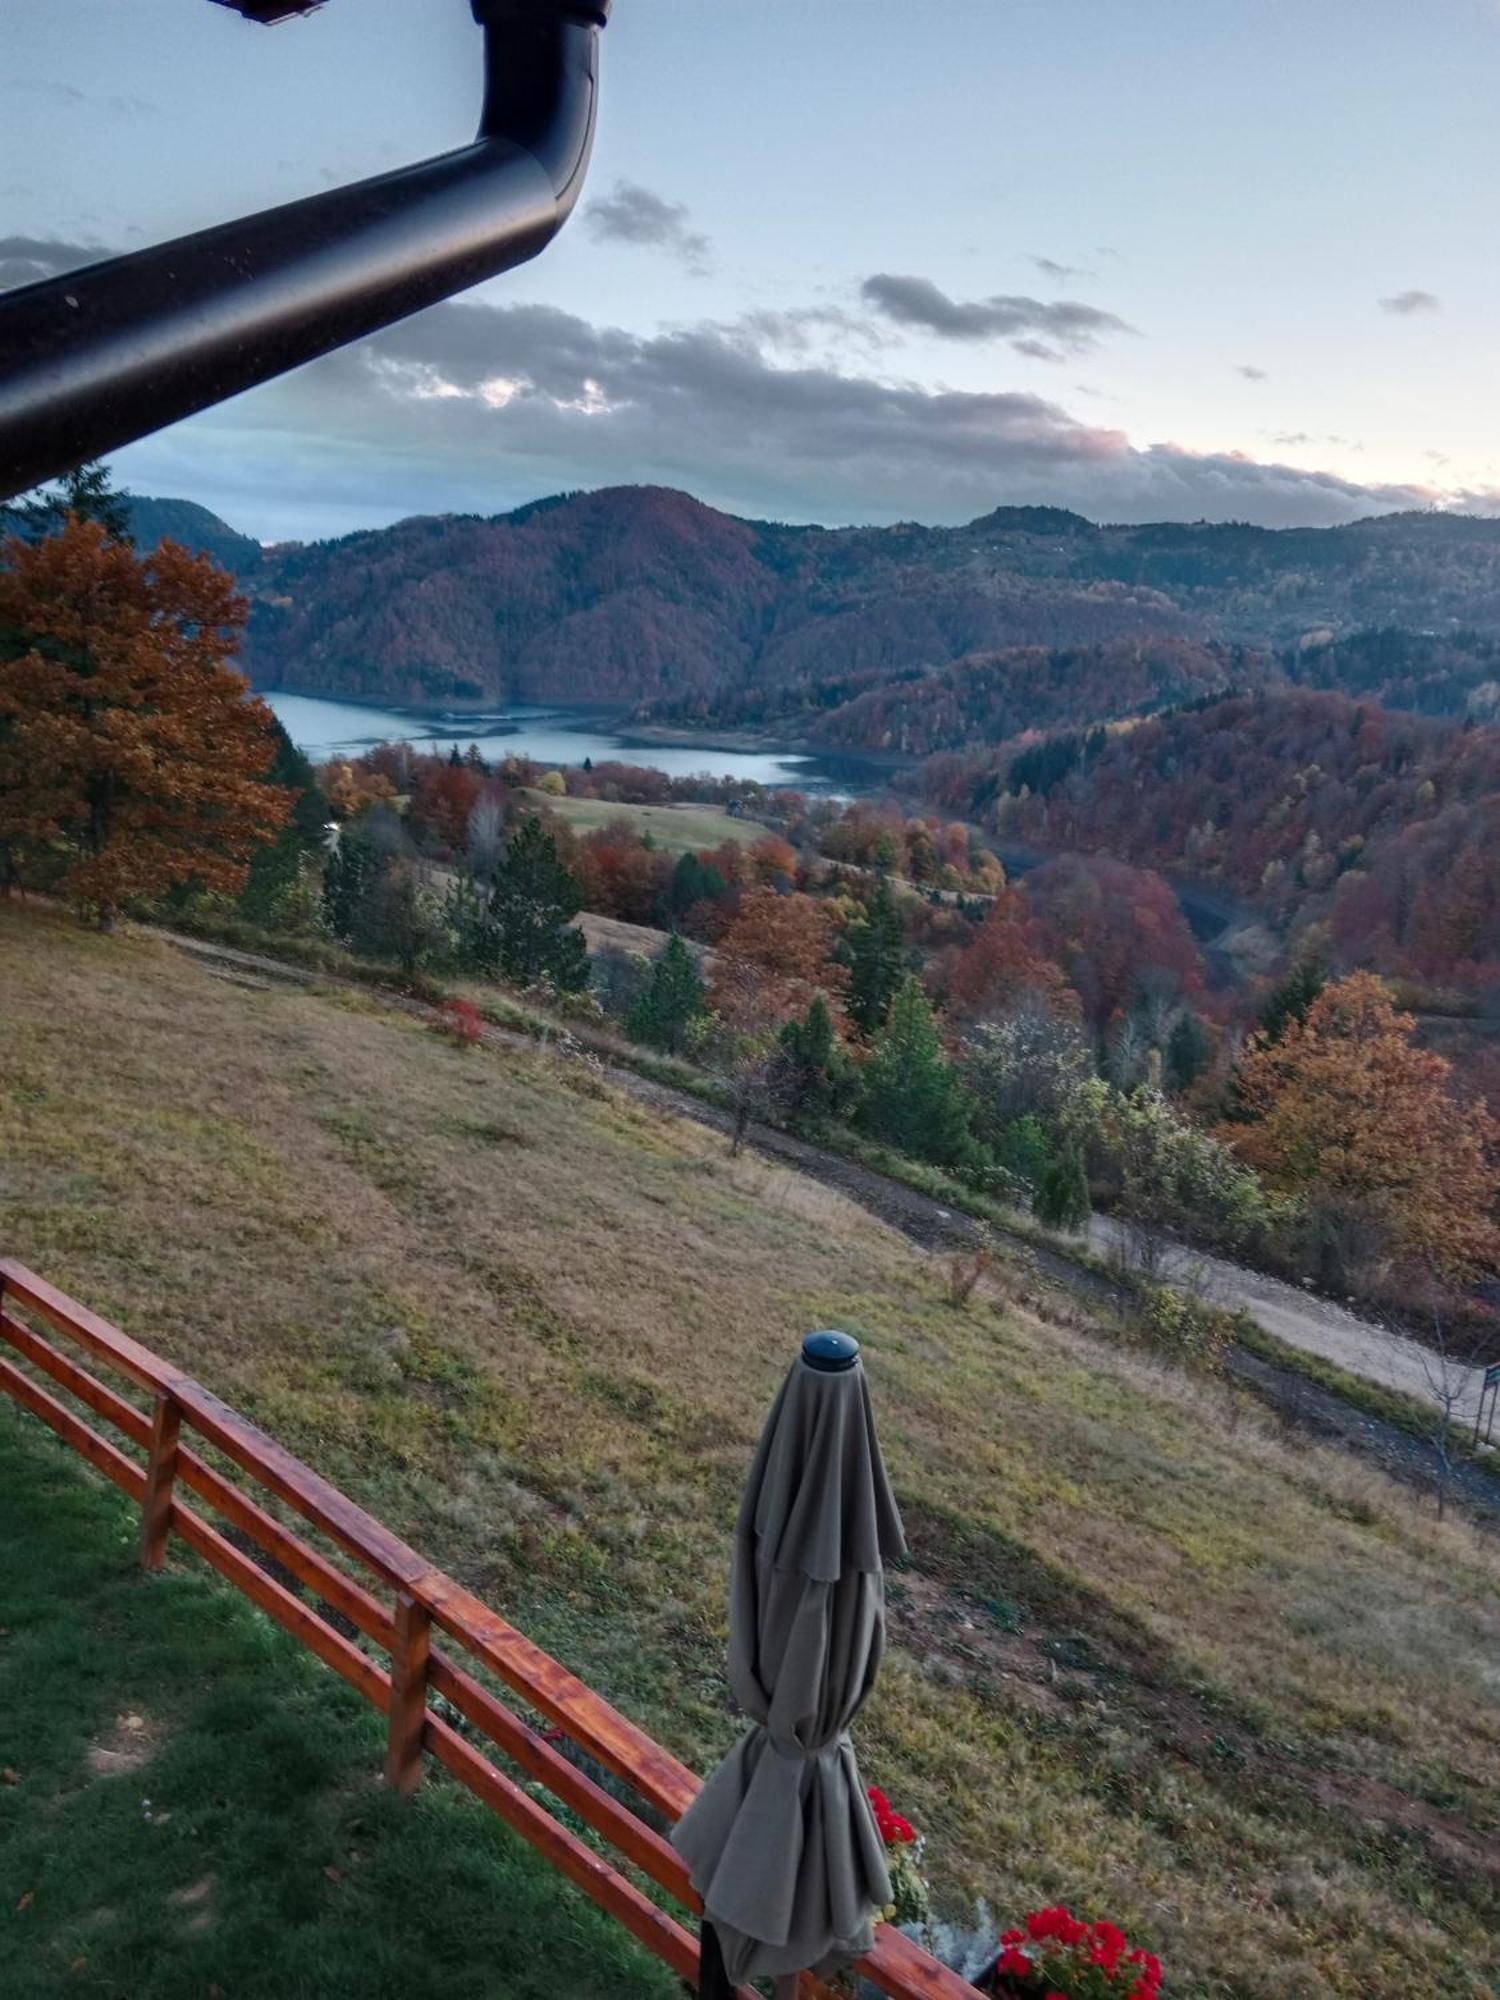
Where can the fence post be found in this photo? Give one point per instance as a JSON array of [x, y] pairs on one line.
[[161, 1471], [411, 1645]]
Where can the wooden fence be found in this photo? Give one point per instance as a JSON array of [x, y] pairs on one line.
[[421, 1603]]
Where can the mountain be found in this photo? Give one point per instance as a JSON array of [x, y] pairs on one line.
[[153, 521], [644, 596]]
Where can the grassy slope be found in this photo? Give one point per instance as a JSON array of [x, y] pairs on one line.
[[195, 1806], [1238, 1693], [675, 829]]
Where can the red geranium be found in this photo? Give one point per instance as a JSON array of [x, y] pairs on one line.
[[894, 1830], [1060, 1957]]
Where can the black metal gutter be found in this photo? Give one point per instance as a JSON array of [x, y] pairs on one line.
[[103, 355]]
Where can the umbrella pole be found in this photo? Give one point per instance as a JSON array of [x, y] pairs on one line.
[[713, 1980]]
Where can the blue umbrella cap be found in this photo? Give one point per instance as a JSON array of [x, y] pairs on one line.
[[830, 1353]]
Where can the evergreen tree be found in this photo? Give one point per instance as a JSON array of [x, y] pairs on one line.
[[671, 1001], [695, 881], [276, 867], [1288, 1001], [347, 874], [875, 952], [1188, 1049], [912, 1096], [85, 491], [814, 1075], [533, 901], [1062, 1194]]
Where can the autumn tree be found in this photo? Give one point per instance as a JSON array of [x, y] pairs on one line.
[[784, 944], [1003, 966], [132, 758], [1351, 1115]]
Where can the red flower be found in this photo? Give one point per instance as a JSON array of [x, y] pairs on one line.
[[1011, 1937], [1014, 1961]]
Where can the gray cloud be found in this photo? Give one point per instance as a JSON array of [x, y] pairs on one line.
[[476, 407], [1410, 302], [633, 214], [1063, 326], [1250, 372], [1060, 273], [26, 259]]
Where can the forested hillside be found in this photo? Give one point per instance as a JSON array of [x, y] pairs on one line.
[[643, 596], [1312, 806]]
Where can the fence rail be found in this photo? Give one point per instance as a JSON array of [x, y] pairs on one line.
[[424, 1603]]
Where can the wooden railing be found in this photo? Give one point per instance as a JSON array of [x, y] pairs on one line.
[[423, 1603]]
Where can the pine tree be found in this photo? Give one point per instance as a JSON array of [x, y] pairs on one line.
[[1062, 1194], [347, 874], [1188, 1049], [533, 901], [1288, 1001], [875, 952], [86, 492], [671, 1001], [912, 1096], [276, 867], [815, 1077]]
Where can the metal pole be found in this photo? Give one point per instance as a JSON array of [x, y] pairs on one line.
[[101, 356]]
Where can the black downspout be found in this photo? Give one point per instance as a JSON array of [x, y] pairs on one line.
[[103, 355]]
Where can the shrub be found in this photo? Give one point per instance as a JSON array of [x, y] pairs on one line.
[[461, 1022]]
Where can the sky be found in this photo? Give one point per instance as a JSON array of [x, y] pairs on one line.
[[893, 260]]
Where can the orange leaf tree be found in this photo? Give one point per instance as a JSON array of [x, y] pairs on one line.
[[1348, 1109], [131, 760]]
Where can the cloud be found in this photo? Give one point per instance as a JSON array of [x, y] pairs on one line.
[[633, 214], [1064, 326], [1250, 372], [1410, 302], [26, 259], [1061, 273], [476, 407]]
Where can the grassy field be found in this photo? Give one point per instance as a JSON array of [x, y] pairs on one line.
[[675, 829], [1149, 1656], [191, 1805]]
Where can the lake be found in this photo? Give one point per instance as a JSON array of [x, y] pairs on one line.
[[553, 736]]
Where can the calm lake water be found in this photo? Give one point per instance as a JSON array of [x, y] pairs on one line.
[[552, 736]]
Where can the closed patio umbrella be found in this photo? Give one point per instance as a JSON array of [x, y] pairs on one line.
[[781, 1843]]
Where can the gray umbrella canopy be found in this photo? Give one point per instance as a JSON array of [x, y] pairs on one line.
[[781, 1843]]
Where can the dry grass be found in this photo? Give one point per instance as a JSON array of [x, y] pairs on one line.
[[1151, 1657], [680, 829]]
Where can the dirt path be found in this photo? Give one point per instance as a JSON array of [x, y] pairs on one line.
[[1316, 1325], [1312, 1324]]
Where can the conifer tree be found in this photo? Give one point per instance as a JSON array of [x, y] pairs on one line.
[[875, 951], [533, 901], [347, 874], [671, 1001], [912, 1096]]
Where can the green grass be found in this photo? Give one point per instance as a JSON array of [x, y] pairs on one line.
[[1149, 1657], [675, 829], [191, 1804]]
